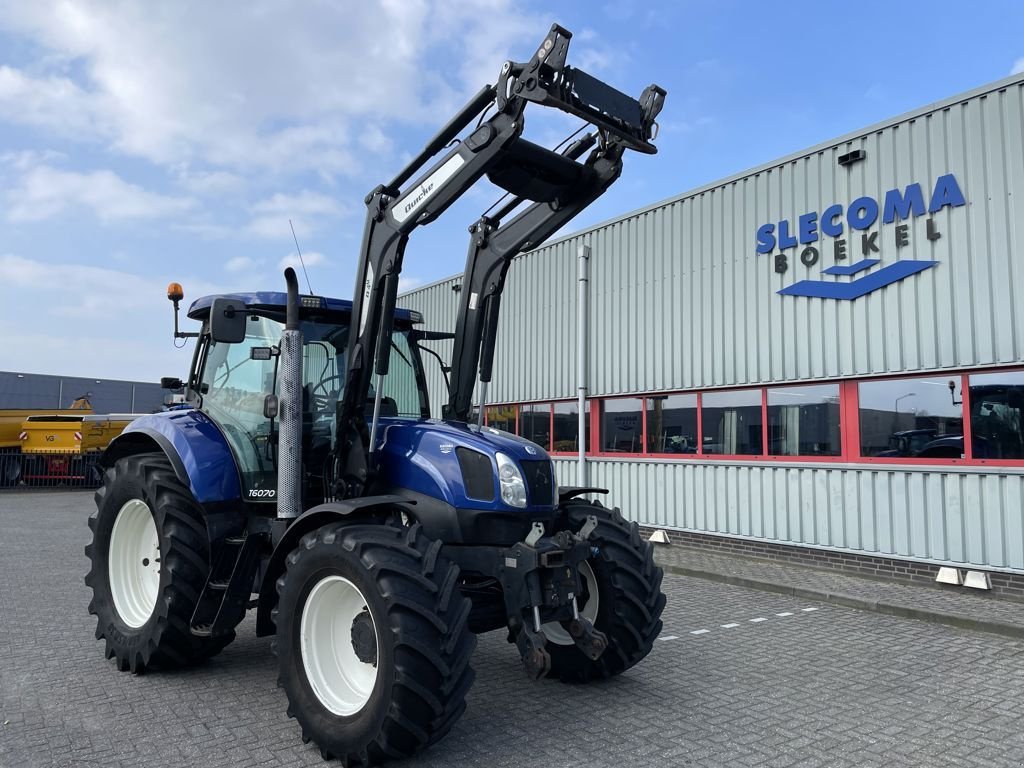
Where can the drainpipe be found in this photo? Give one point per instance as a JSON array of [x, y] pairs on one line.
[[583, 284]]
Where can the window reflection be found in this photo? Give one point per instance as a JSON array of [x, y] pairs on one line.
[[535, 423], [567, 427], [997, 415], [502, 417], [804, 421], [622, 425], [913, 417], [672, 424], [732, 422]]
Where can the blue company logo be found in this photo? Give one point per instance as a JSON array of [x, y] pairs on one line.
[[860, 217]]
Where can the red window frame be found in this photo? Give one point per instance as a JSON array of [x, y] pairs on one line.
[[849, 425]]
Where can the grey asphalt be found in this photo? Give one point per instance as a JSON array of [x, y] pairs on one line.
[[832, 686]]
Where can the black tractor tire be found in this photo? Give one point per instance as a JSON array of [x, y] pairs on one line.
[[164, 640], [630, 597], [11, 463], [424, 644]]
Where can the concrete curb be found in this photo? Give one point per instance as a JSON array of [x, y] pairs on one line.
[[1005, 629]]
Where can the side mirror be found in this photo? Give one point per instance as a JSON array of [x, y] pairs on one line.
[[227, 320], [171, 382]]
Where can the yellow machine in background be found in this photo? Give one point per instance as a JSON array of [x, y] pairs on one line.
[[13, 435], [58, 445]]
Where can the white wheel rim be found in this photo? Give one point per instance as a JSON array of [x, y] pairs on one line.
[[554, 631], [133, 563], [341, 682]]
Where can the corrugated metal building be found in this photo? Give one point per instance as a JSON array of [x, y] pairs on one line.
[[38, 390], [824, 352]]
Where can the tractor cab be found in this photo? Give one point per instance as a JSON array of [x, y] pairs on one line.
[[236, 381]]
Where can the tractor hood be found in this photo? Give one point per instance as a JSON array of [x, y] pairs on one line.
[[485, 439], [425, 457]]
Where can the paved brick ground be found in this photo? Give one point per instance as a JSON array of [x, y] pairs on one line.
[[942, 600], [830, 686]]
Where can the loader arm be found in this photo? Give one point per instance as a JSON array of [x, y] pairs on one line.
[[557, 184], [491, 250]]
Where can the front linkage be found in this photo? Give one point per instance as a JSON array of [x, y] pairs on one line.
[[541, 585]]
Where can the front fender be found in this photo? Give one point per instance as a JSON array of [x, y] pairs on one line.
[[195, 446], [351, 510]]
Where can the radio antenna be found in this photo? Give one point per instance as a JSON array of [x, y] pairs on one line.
[[299, 250]]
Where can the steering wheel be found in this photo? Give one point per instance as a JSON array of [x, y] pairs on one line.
[[322, 402]]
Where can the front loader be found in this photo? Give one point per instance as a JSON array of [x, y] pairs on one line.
[[304, 477]]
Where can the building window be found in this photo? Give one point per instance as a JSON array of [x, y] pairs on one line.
[[804, 421], [997, 415], [732, 422], [911, 417], [622, 425], [502, 417], [535, 423], [672, 424], [566, 427]]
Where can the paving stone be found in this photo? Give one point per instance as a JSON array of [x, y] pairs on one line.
[[933, 602], [832, 687]]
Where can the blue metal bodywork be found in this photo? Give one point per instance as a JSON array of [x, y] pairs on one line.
[[195, 443], [420, 456]]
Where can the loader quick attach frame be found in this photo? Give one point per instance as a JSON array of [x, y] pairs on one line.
[[557, 185]]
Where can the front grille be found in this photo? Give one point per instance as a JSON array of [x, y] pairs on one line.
[[540, 482], [477, 474]]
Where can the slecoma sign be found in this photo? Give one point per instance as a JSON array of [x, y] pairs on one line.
[[843, 224]]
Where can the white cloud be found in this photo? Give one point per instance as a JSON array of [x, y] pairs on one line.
[[94, 321], [240, 264], [306, 210], [43, 192], [311, 259], [151, 82], [99, 299], [1018, 66], [210, 183], [406, 284], [54, 102]]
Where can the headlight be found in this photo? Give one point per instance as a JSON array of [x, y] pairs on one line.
[[513, 489]]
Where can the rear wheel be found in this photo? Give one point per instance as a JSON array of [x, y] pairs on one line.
[[150, 560], [372, 641], [621, 595]]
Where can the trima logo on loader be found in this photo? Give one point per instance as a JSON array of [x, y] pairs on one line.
[[393, 539]]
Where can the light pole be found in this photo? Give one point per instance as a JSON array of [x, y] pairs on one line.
[[896, 408]]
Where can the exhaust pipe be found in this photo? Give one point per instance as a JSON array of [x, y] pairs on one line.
[[289, 429]]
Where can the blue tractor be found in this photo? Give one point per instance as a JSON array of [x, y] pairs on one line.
[[304, 477]]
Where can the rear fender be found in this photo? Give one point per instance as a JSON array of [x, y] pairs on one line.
[[195, 446], [363, 509]]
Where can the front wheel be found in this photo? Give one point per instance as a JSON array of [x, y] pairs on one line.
[[373, 642], [621, 595]]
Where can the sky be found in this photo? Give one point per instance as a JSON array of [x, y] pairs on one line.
[[142, 142]]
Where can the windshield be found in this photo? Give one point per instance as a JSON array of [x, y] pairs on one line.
[[234, 388]]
